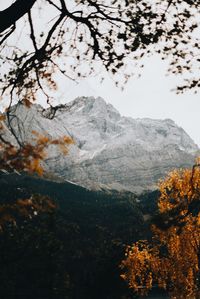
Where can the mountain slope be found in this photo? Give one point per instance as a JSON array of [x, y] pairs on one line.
[[110, 151], [72, 253]]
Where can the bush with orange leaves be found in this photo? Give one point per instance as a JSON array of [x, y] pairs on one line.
[[171, 261]]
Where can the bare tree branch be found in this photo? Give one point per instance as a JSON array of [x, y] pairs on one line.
[[10, 31], [14, 12], [32, 31]]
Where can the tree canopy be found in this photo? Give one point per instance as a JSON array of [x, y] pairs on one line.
[[171, 261], [40, 39]]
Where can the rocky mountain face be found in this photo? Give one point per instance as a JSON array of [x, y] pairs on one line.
[[110, 151]]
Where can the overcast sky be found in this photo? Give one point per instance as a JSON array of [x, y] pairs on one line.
[[149, 96]]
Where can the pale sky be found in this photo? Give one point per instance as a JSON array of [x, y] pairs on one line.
[[149, 96]]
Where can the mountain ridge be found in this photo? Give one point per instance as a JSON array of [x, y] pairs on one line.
[[110, 150]]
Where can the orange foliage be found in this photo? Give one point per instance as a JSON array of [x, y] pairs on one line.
[[2, 117], [172, 260], [24, 209], [27, 103], [29, 157]]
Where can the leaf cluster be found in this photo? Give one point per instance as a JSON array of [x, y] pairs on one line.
[[171, 260]]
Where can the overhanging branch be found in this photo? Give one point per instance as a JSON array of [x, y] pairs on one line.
[[14, 12]]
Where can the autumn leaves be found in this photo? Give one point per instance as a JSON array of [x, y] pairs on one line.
[[171, 260], [30, 155]]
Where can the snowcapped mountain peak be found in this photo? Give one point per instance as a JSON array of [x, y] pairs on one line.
[[109, 150], [92, 106]]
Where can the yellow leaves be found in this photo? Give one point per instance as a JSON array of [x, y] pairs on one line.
[[27, 102], [40, 139], [197, 161], [29, 157], [2, 117], [2, 120], [178, 188], [138, 267], [35, 166], [198, 219], [172, 259], [43, 140], [47, 76], [63, 144], [67, 140]]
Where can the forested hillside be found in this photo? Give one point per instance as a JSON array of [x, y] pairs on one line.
[[72, 252]]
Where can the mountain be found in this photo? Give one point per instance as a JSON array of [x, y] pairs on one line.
[[110, 151]]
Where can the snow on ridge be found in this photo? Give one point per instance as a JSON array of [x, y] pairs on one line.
[[109, 149]]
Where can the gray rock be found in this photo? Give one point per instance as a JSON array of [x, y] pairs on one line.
[[110, 151]]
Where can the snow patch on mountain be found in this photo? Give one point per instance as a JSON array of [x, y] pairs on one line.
[[110, 151]]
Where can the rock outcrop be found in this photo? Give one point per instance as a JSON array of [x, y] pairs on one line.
[[110, 151]]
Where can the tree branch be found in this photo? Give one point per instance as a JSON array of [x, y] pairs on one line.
[[32, 36], [14, 12], [7, 34]]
